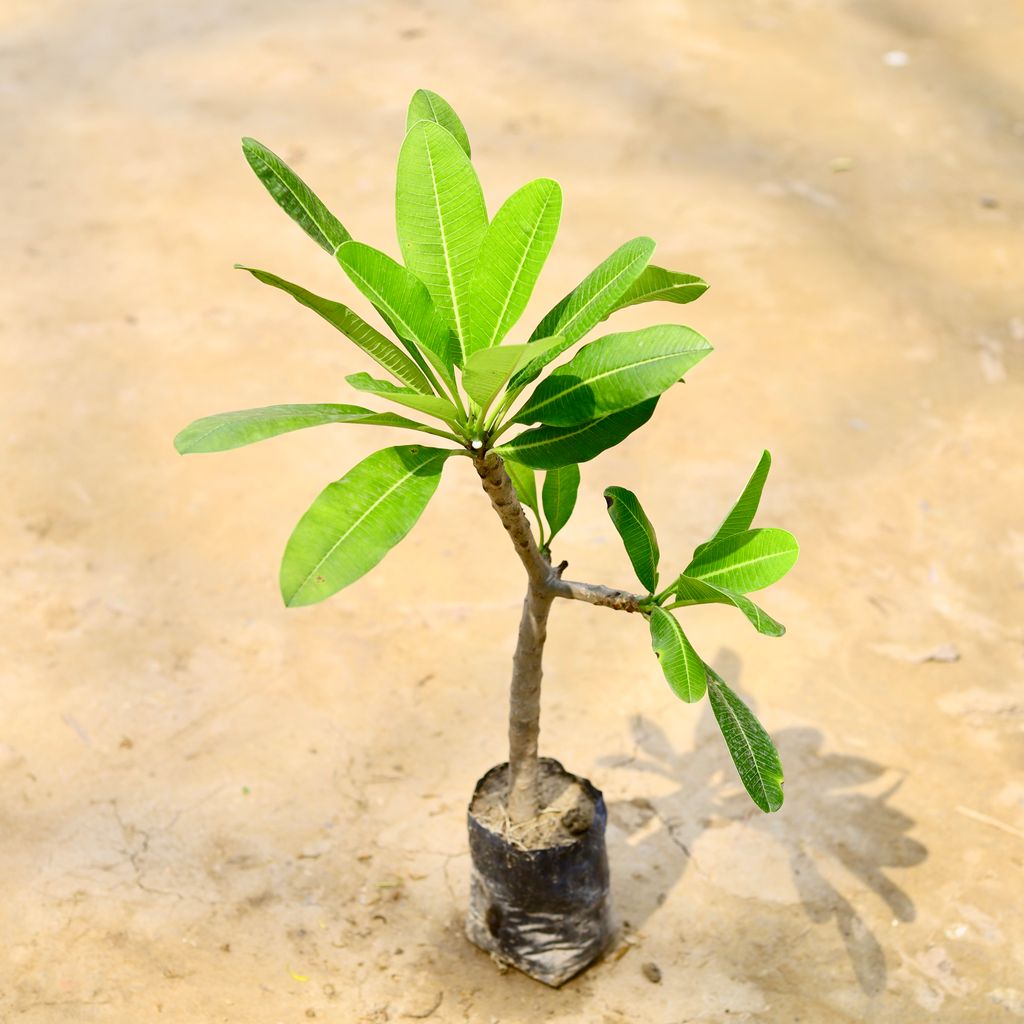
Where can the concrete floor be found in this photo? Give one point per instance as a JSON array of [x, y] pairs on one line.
[[214, 809]]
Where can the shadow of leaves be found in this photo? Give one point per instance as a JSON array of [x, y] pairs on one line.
[[829, 825]]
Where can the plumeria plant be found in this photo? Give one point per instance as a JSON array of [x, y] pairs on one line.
[[510, 408]]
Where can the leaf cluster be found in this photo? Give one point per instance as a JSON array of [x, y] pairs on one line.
[[734, 562], [447, 308]]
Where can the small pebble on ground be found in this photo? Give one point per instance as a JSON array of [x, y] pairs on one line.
[[652, 972]]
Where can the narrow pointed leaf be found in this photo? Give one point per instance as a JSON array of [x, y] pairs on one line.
[[559, 496], [488, 370], [356, 520], [525, 483], [588, 303], [386, 353], [512, 254], [441, 221], [228, 430], [746, 561], [656, 284], [428, 106], [679, 661], [689, 590], [742, 513], [750, 746], [637, 533], [404, 302], [551, 447], [615, 372], [432, 405], [295, 197]]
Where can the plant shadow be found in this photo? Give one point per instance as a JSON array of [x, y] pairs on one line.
[[827, 820]]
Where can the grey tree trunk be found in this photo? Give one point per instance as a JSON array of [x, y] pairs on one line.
[[524, 710], [545, 584]]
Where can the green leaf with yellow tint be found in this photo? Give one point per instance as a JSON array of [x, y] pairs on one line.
[[357, 520], [679, 661]]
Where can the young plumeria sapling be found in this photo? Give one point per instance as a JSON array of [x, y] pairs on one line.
[[510, 409]]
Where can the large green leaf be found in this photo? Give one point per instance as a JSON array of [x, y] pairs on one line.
[[356, 520], [432, 405], [441, 221], [512, 254], [551, 447], [228, 430], [637, 534], [559, 496], [428, 106], [403, 300], [525, 484], [588, 303], [679, 661], [656, 284], [488, 370], [742, 513], [689, 590], [752, 750], [615, 372], [294, 196], [355, 328], [747, 561]]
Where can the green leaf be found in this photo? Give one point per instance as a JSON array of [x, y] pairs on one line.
[[488, 370], [689, 590], [294, 196], [428, 106], [746, 561], [551, 447], [742, 513], [559, 496], [525, 484], [512, 254], [356, 520], [656, 284], [752, 750], [403, 300], [589, 302], [615, 372], [228, 430], [679, 661], [637, 534], [441, 221], [355, 328], [432, 405]]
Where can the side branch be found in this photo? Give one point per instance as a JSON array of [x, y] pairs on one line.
[[544, 577], [593, 593]]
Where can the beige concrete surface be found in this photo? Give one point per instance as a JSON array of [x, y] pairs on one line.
[[213, 809]]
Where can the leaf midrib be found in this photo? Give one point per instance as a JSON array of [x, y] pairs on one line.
[[746, 742], [519, 271], [356, 525], [532, 409], [681, 637], [305, 209], [645, 534], [380, 299], [444, 247], [733, 566], [561, 437], [565, 328]]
